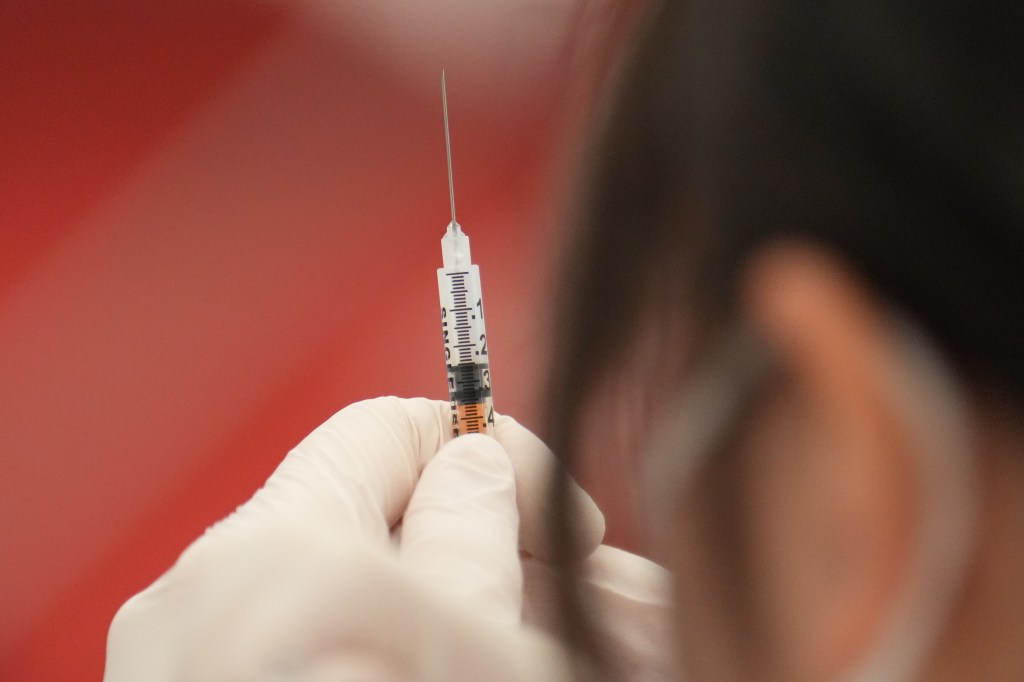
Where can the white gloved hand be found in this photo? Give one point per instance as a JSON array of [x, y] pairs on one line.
[[305, 581]]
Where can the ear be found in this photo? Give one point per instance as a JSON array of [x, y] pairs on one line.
[[832, 478]]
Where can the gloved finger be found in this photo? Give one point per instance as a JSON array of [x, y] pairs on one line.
[[629, 598], [533, 463], [358, 469], [355, 473], [460, 531], [300, 604]]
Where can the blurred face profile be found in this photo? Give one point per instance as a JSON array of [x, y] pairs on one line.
[[811, 488], [806, 217]]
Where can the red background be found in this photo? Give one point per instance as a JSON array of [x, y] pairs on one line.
[[220, 223]]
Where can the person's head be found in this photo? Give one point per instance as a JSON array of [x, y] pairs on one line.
[[808, 218]]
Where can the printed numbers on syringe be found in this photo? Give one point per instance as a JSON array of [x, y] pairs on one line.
[[482, 350], [464, 333], [469, 375]]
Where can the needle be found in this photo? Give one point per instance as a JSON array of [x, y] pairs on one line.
[[448, 149]]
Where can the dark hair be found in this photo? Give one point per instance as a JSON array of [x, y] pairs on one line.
[[889, 133]]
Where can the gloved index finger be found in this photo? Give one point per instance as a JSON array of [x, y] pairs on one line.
[[358, 469]]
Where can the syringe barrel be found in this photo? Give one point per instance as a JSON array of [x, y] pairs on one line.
[[465, 349]]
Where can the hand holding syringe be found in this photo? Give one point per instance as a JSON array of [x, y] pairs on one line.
[[462, 321], [314, 556]]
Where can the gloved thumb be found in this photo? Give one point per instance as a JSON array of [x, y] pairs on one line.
[[460, 530]]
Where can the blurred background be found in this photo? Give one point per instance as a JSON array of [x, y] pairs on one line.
[[219, 224]]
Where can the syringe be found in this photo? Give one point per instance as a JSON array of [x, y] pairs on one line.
[[462, 321]]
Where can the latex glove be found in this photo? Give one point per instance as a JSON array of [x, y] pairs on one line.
[[302, 582], [628, 596]]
